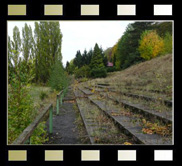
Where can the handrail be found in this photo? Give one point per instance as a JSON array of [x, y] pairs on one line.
[[26, 134], [59, 100], [29, 130]]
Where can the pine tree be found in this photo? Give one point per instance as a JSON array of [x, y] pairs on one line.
[[97, 65], [97, 60], [58, 78], [78, 59]]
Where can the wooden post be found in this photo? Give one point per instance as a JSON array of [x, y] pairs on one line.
[[50, 119]]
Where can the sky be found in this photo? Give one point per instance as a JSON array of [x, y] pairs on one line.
[[81, 35]]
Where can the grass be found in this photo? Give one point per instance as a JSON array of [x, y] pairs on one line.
[[36, 91], [155, 74], [104, 131], [151, 126], [151, 78], [152, 105], [80, 126]]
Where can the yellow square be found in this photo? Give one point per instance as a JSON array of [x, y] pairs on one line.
[[89, 9], [14, 10], [90, 155], [17, 155], [53, 155], [53, 9]]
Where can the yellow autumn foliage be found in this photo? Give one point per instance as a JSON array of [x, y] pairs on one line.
[[151, 45]]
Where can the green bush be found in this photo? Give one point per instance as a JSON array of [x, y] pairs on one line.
[[167, 43], [21, 110], [98, 72], [83, 72], [43, 95], [40, 134], [111, 69], [58, 77]]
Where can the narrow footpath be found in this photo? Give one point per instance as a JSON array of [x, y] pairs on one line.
[[64, 129]]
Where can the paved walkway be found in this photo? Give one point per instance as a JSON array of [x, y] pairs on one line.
[[64, 129]]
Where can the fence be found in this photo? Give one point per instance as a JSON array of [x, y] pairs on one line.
[[25, 136]]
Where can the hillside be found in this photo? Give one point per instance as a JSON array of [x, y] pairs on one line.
[[151, 76]]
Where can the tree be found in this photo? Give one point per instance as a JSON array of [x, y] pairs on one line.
[[89, 57], [151, 45], [97, 65], [20, 104], [67, 66], [15, 46], [48, 39], [127, 47], [167, 43], [78, 59], [71, 68], [84, 71], [108, 54], [58, 77], [27, 43], [97, 60], [162, 28]]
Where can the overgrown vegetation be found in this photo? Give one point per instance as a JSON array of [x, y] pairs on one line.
[[58, 77], [151, 45], [32, 61]]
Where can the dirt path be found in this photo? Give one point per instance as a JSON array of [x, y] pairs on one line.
[[64, 129]]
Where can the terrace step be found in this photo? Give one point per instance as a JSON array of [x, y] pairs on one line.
[[87, 92], [164, 117], [88, 118], [125, 123], [147, 98]]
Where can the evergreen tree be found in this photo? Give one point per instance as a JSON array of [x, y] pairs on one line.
[[97, 65], [97, 60], [127, 48], [84, 57], [89, 57], [67, 66], [162, 28], [58, 78], [78, 59]]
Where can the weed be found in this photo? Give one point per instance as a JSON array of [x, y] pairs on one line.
[[43, 95]]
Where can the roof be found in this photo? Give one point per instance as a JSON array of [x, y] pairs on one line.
[[109, 64]]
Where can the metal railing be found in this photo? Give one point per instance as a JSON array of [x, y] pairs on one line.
[[59, 100], [25, 136]]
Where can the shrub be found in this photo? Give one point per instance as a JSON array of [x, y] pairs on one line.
[[58, 77], [83, 72], [111, 69], [167, 43], [151, 45], [43, 95], [20, 104], [98, 72], [83, 79]]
